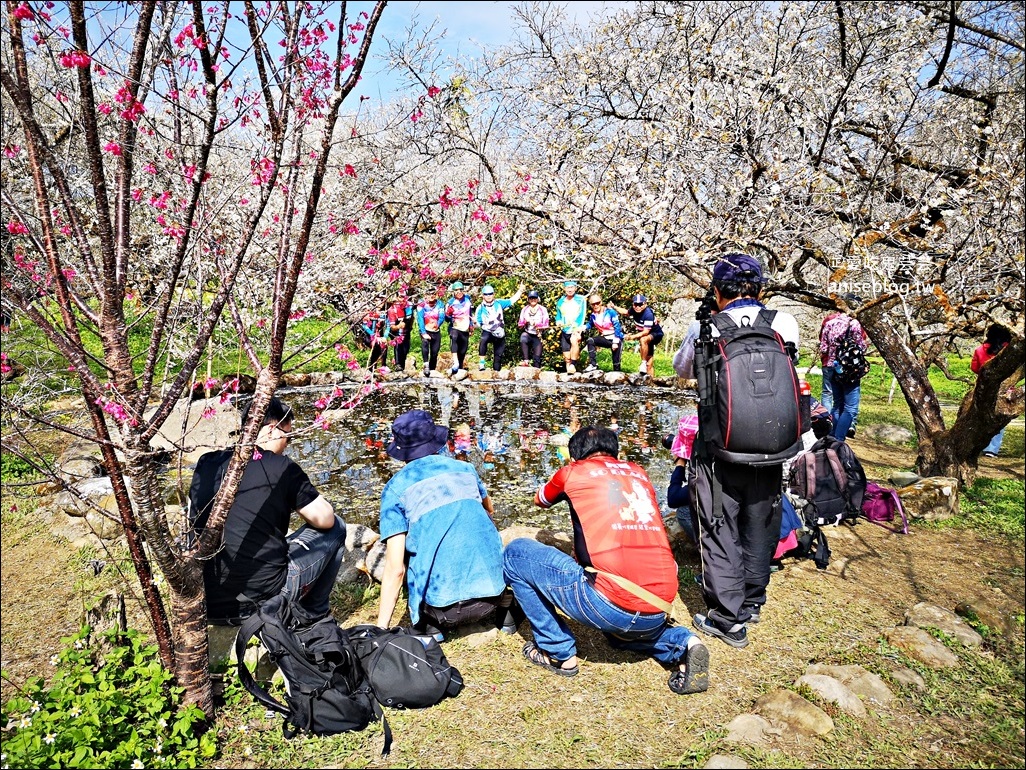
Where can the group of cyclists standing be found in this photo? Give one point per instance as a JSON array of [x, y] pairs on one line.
[[584, 324]]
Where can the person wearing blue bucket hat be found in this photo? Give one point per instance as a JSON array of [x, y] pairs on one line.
[[436, 524]]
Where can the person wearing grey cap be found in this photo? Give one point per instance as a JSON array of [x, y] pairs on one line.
[[436, 524], [489, 318], [534, 319], [738, 505]]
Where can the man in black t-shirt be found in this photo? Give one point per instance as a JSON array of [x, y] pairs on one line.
[[259, 559]]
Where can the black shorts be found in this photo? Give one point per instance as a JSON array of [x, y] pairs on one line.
[[564, 342]]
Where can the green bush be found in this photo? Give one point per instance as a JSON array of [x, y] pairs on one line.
[[109, 705]]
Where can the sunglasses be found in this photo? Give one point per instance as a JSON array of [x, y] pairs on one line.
[[637, 304], [596, 304]]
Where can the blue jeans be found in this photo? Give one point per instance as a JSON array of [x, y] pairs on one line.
[[842, 401], [545, 579], [995, 443], [315, 556]]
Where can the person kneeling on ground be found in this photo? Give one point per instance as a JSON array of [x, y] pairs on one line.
[[258, 561], [624, 579], [438, 533]]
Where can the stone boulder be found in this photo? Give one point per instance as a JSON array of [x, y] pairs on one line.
[[80, 460], [919, 645], [525, 373], [833, 691], [295, 379], [926, 615], [197, 427], [614, 378], [796, 712], [865, 684], [997, 619], [889, 434], [932, 499], [93, 501], [560, 540]]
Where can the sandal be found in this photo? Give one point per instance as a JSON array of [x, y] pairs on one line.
[[695, 676], [541, 658]]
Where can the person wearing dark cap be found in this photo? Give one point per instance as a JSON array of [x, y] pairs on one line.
[[259, 559], [534, 319], [739, 537], [647, 331], [436, 523]]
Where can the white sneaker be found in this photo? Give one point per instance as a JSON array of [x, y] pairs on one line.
[[571, 369], [643, 369], [590, 368]]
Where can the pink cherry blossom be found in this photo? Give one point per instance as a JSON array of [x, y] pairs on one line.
[[16, 227], [113, 148]]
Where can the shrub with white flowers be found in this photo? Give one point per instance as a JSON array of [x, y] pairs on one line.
[[107, 705]]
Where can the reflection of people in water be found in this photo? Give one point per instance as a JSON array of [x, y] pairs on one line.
[[462, 442]]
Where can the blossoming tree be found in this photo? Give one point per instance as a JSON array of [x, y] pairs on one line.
[[870, 155], [162, 161]]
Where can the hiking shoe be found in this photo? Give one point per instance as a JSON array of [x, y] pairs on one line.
[[753, 611], [454, 371], [851, 432], [571, 369], [695, 676], [643, 369], [590, 368], [990, 454], [737, 637]]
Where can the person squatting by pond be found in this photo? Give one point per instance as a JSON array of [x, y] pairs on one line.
[[258, 559], [624, 578], [436, 523]]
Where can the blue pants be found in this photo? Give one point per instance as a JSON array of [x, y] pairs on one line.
[[315, 556], [994, 447], [842, 401], [545, 579]]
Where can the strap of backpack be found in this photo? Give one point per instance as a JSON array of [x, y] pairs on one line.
[[250, 628], [765, 317], [822, 557], [631, 587], [838, 470], [809, 460], [901, 510]]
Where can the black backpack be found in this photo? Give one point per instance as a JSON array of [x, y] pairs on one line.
[[405, 669], [757, 417], [327, 691], [827, 484], [851, 364]]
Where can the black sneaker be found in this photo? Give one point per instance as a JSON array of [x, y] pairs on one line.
[[753, 611], [695, 676], [736, 637]]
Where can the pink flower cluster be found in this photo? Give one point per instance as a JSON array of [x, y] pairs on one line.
[[72, 59], [116, 410], [132, 108]]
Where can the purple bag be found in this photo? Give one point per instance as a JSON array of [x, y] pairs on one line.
[[879, 506]]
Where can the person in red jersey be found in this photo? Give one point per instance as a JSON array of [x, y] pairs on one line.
[[622, 578]]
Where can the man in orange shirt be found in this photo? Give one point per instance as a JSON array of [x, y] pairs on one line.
[[623, 579]]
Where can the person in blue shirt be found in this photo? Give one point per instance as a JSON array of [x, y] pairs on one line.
[[608, 333], [436, 524], [570, 312], [489, 318]]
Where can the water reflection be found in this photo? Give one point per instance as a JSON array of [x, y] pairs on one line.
[[516, 437]]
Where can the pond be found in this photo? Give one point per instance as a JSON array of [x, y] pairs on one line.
[[514, 434]]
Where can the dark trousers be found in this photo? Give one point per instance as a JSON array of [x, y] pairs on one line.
[[429, 348], [458, 344], [402, 350], [605, 342], [737, 542], [434, 619], [531, 348], [498, 348], [378, 352]]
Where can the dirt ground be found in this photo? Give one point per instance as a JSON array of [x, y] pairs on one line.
[[811, 617]]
